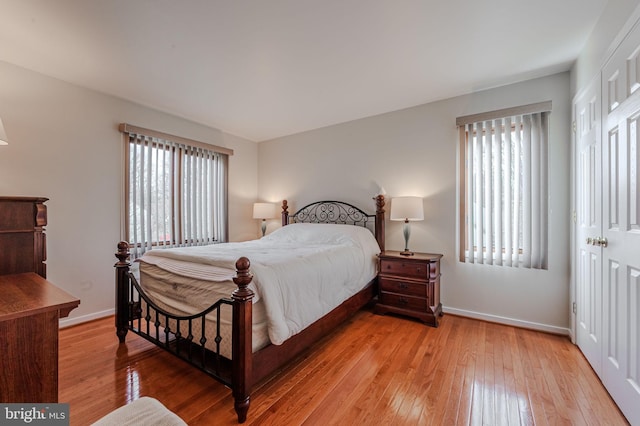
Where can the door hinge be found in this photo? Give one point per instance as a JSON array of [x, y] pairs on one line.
[[574, 125], [575, 308], [574, 216]]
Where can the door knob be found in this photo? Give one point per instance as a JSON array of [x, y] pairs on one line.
[[598, 241]]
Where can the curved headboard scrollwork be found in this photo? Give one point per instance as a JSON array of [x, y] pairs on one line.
[[331, 212], [339, 212]]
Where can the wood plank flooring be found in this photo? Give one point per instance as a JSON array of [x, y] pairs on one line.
[[373, 370]]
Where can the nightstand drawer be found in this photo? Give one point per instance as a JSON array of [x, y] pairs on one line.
[[403, 287], [404, 268], [409, 285], [404, 302]]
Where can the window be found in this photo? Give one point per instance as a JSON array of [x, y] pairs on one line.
[[175, 191], [504, 187]]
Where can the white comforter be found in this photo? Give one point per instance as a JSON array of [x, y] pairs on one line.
[[301, 271]]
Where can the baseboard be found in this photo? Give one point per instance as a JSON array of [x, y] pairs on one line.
[[68, 322], [508, 321]]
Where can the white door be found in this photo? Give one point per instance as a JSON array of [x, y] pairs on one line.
[[621, 226], [588, 269]]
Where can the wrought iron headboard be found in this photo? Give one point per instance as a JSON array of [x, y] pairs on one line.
[[332, 212], [339, 212]]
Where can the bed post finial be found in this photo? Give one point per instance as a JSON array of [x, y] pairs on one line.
[[241, 347], [380, 220], [285, 213], [122, 290], [243, 279]]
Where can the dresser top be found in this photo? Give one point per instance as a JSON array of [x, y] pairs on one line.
[[29, 294], [24, 199]]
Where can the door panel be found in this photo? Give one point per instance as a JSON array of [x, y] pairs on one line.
[[588, 271], [621, 254]]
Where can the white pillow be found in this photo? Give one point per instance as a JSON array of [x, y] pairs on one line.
[[326, 233]]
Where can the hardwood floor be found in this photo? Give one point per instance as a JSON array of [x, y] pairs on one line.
[[373, 370]]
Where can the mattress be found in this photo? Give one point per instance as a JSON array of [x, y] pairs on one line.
[[183, 295], [301, 272]]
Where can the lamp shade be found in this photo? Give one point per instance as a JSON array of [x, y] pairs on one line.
[[3, 135], [407, 208], [264, 210]]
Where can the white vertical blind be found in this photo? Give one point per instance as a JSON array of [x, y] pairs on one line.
[[504, 189], [176, 194], [498, 183], [508, 193], [517, 199]]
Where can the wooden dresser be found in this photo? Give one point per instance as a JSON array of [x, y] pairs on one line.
[[30, 306], [410, 285], [22, 238], [29, 313]]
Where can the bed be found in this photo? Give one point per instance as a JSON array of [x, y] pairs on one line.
[[182, 302]]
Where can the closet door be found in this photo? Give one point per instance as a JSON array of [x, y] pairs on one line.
[[621, 226], [588, 259]]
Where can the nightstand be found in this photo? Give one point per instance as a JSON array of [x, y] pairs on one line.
[[409, 285]]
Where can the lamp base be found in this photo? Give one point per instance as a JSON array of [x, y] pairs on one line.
[[406, 231]]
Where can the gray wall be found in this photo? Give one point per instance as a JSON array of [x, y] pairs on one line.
[[64, 144], [616, 20], [414, 152]]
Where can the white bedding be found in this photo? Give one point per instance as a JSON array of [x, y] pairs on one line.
[[300, 271]]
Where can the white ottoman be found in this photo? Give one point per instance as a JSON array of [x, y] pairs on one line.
[[145, 411]]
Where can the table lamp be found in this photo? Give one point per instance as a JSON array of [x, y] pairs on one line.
[[3, 135], [264, 211], [406, 209]]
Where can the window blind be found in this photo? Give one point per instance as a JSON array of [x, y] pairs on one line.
[[504, 187], [175, 192]]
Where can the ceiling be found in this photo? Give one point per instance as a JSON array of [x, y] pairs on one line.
[[264, 69]]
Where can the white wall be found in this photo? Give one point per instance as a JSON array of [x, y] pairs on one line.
[[414, 152], [617, 15], [65, 145]]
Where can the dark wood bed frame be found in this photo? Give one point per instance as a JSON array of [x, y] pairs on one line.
[[245, 368]]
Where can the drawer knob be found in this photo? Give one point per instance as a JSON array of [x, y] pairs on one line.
[[403, 300], [419, 270], [403, 285]]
